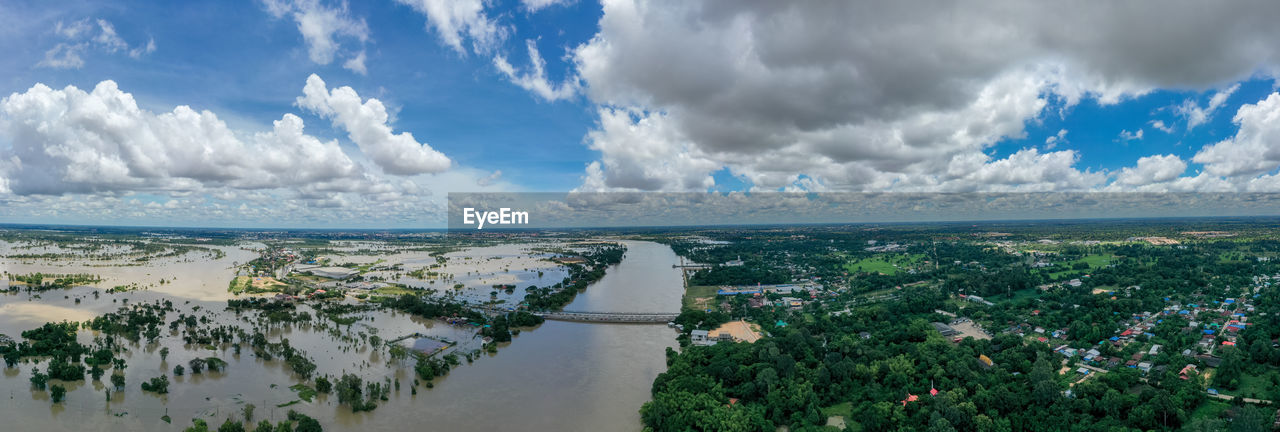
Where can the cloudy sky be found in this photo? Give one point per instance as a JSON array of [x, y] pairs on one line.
[[323, 113]]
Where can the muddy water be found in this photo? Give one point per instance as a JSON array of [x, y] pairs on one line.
[[559, 376]]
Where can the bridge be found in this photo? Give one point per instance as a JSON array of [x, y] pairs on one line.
[[610, 317]]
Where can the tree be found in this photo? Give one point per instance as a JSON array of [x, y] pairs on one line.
[[323, 385], [117, 380], [164, 354], [57, 393], [178, 370], [1250, 419], [230, 426], [248, 412], [38, 379], [197, 365], [158, 384]]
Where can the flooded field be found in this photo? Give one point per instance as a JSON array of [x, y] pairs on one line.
[[557, 376]]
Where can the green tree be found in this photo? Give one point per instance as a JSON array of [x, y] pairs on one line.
[[57, 393], [230, 426]]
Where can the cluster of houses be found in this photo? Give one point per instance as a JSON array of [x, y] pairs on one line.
[[1218, 324]]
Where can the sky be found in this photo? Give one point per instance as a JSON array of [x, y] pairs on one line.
[[328, 114]]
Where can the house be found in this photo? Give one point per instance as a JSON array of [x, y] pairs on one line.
[[1144, 366], [1155, 349], [700, 338]]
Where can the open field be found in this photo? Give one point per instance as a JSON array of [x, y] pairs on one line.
[[699, 296], [884, 264]]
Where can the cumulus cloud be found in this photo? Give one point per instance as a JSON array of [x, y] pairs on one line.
[[366, 124], [97, 157], [1197, 115], [72, 141], [321, 27], [535, 78], [776, 92], [1253, 150], [645, 152], [78, 37], [456, 21], [1152, 169]]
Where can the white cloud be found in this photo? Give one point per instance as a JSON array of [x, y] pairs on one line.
[[1027, 170], [644, 152], [1151, 169], [1254, 150], [139, 51], [321, 26], [776, 93], [108, 39], [97, 157], [455, 21], [78, 37], [1053, 140], [537, 5], [1161, 126], [1197, 115], [356, 64], [64, 56], [366, 125], [535, 79], [72, 141], [1126, 136], [490, 179]]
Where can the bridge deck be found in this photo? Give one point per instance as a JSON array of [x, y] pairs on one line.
[[610, 317]]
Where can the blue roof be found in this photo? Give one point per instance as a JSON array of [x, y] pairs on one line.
[[1113, 338], [1208, 332], [1184, 312]]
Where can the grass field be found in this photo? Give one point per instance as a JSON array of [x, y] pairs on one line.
[[394, 291], [1210, 409], [886, 264], [253, 285], [1029, 293], [1094, 261], [695, 292], [1255, 382]]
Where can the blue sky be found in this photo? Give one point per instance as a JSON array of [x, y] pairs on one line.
[[366, 114]]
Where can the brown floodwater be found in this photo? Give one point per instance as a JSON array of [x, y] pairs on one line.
[[558, 376]]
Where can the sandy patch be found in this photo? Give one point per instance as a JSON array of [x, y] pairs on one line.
[[740, 330], [38, 313]]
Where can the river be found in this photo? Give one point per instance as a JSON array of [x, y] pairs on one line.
[[560, 376]]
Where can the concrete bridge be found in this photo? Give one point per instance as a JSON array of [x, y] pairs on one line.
[[610, 317]]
